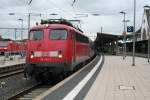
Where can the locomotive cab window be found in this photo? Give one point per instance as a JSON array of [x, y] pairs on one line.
[[58, 34], [36, 35]]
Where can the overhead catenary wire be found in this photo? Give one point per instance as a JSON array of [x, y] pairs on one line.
[[64, 11], [73, 2], [29, 2]]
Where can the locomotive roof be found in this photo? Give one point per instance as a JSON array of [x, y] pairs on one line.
[[59, 23], [57, 26]]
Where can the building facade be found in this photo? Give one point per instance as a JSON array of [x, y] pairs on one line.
[[145, 25]]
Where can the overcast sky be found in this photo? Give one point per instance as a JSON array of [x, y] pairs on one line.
[[109, 17]]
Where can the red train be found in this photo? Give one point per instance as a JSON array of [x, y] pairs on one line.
[[12, 47], [56, 47], [3, 47]]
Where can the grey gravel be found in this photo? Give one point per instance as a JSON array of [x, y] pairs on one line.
[[13, 85]]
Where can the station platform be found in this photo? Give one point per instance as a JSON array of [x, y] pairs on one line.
[[7, 62], [119, 80]]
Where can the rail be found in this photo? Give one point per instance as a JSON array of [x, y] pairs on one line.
[[11, 70], [34, 91]]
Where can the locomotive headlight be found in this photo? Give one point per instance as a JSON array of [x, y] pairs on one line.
[[59, 56], [31, 56], [56, 54]]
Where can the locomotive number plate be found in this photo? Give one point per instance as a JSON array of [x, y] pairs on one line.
[[37, 54], [53, 53]]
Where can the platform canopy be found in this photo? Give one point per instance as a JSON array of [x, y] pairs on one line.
[[107, 42], [107, 38]]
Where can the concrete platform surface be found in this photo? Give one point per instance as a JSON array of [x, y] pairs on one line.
[[119, 80], [16, 61]]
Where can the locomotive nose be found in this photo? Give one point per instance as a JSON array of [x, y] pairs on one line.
[[39, 46]]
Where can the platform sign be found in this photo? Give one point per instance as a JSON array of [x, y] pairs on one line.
[[130, 28]]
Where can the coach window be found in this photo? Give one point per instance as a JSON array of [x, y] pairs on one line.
[[82, 38], [79, 37], [58, 34], [36, 35]]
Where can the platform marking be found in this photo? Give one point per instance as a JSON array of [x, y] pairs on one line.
[[123, 87], [72, 94]]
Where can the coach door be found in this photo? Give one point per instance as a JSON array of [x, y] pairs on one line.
[[73, 46]]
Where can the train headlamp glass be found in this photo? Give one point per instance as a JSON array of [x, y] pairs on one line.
[[31, 56], [59, 56]]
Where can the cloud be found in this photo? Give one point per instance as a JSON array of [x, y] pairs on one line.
[[109, 10], [12, 3]]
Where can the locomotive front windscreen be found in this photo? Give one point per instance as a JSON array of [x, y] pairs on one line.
[[36, 35], [58, 34]]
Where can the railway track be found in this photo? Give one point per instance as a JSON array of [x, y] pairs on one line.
[[34, 91], [4, 75], [31, 92], [11, 70]]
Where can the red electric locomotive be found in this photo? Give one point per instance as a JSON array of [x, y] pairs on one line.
[[55, 47], [11, 47]]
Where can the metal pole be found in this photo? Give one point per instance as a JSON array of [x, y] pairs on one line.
[[148, 44], [148, 56], [29, 15], [15, 34], [29, 24], [126, 36], [21, 51], [101, 39], [124, 33], [124, 44], [22, 29], [15, 40], [133, 58], [101, 29]]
